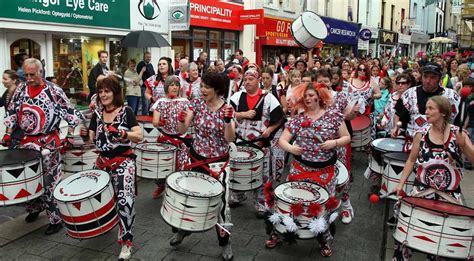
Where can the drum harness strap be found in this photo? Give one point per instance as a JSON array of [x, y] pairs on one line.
[[430, 190], [326, 167], [176, 140], [54, 135], [199, 161], [111, 161]]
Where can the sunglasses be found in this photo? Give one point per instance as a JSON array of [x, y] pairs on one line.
[[361, 69], [402, 82]]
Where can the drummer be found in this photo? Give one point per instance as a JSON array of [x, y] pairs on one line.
[[436, 158], [259, 115], [317, 133], [165, 118], [112, 129], [37, 107], [214, 129], [155, 84]]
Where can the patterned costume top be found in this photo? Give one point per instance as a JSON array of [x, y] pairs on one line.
[[42, 113], [309, 134], [169, 110], [190, 89], [389, 111], [417, 117], [362, 95], [125, 120], [341, 98], [268, 112], [209, 140], [156, 87], [439, 166]]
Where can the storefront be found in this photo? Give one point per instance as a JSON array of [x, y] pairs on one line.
[[388, 42], [368, 47], [214, 29], [67, 37], [342, 38], [418, 43]]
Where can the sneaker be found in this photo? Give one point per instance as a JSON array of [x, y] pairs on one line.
[[178, 237], [53, 229], [126, 252], [158, 192], [272, 242], [227, 252], [392, 222], [32, 217], [236, 201], [346, 217]]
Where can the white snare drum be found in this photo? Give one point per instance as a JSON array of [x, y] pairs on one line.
[[342, 175], [298, 191], [246, 169], [379, 148], [155, 160], [435, 227], [360, 131], [79, 158], [21, 176], [86, 203], [150, 133], [308, 30], [394, 164], [192, 201]]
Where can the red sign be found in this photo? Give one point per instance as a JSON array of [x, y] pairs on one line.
[[276, 32], [216, 14], [251, 16]]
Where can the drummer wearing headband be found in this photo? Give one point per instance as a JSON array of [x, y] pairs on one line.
[[37, 107], [214, 129], [317, 133], [112, 129], [165, 118], [258, 115], [436, 158]]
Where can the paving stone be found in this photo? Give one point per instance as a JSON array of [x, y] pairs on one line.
[[179, 256], [29, 257], [61, 251], [151, 253], [88, 254]]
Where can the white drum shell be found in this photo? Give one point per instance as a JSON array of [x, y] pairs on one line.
[[79, 159], [150, 133], [246, 175], [391, 177], [308, 30], [397, 146], [26, 186], [342, 174], [153, 163], [361, 138], [444, 232]]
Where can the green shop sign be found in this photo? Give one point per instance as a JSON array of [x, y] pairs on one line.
[[101, 13]]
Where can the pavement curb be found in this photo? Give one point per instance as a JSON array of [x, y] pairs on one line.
[[17, 228]]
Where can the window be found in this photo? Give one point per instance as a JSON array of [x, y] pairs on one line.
[[392, 15], [326, 8], [415, 9], [383, 15]]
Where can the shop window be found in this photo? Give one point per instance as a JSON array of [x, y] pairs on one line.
[[229, 48], [24, 46]]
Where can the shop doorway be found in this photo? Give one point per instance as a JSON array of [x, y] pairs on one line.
[[21, 49]]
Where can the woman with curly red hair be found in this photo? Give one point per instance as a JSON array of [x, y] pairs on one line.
[[317, 133]]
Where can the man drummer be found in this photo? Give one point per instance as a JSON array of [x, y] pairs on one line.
[[37, 108], [410, 109], [258, 115]]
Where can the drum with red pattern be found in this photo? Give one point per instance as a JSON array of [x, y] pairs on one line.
[[155, 160], [86, 203], [79, 158], [394, 164], [150, 133], [436, 227], [246, 169], [361, 131], [21, 176]]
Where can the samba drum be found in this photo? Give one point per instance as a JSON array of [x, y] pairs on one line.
[[150, 133], [246, 169], [21, 176], [192, 201], [394, 164], [155, 160], [360, 131], [308, 30], [342, 175], [436, 227], [79, 158], [86, 203], [289, 193], [379, 147]]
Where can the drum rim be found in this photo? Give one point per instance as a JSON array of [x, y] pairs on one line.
[[386, 156], [383, 150], [347, 171], [89, 196], [140, 118], [39, 158], [173, 147], [199, 197], [193, 231], [408, 199], [300, 182]]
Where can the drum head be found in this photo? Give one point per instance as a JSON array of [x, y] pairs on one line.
[[440, 206], [398, 156], [314, 25], [247, 154], [155, 147], [194, 184], [81, 185], [388, 144], [144, 118], [342, 175], [17, 156], [300, 191], [360, 122]]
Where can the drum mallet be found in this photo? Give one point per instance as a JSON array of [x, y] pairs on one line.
[[374, 198], [464, 93], [46, 152]]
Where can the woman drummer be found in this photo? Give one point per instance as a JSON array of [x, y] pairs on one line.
[[113, 129], [214, 130], [165, 118], [436, 158], [317, 133]]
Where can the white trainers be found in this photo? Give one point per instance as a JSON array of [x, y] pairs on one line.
[[126, 252], [346, 216], [227, 252]]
